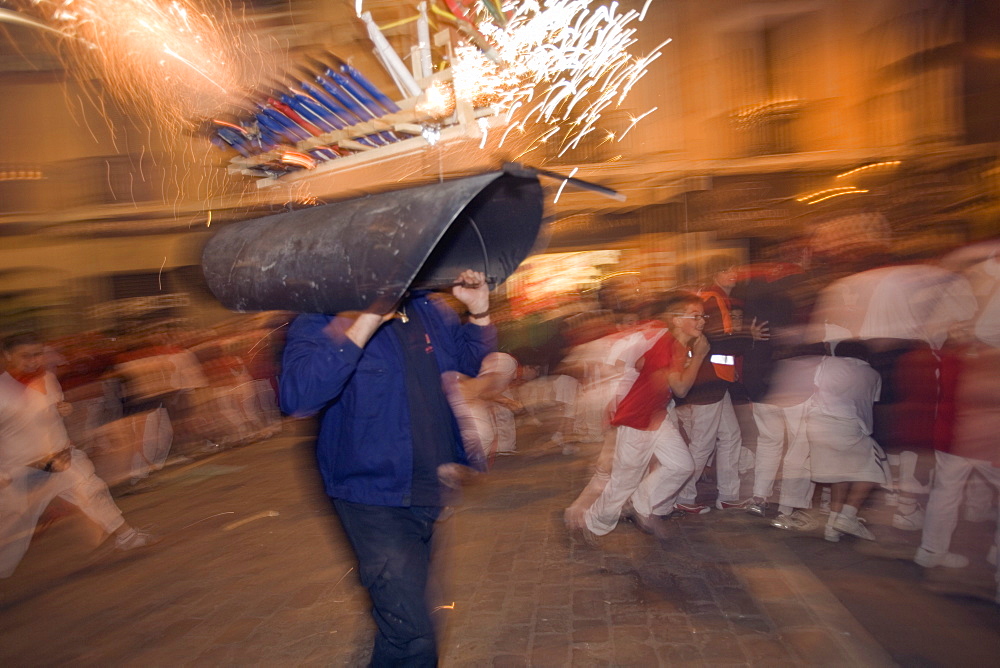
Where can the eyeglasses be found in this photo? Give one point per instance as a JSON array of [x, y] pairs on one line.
[[691, 317]]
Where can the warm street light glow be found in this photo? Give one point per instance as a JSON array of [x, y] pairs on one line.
[[887, 163]]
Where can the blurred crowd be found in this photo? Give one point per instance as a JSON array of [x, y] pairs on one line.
[[812, 391], [139, 399], [836, 388], [82, 413]]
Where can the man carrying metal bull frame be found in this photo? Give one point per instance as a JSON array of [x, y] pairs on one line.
[[387, 433]]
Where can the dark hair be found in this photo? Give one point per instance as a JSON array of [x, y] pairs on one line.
[[851, 348], [20, 339], [719, 263]]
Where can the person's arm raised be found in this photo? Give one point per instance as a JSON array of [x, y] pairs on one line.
[[682, 377]]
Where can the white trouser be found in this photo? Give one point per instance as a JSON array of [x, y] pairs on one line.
[[712, 428], [157, 437], [599, 480], [592, 410], [505, 428], [29, 493], [950, 475], [775, 426], [651, 493]]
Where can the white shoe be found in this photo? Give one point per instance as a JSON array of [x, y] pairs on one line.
[[733, 505], [133, 539], [909, 522], [929, 559], [830, 534], [757, 506], [854, 526], [797, 520]]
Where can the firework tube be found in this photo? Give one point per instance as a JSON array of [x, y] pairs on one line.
[[316, 109], [307, 113], [362, 96], [282, 125], [368, 105], [233, 139], [332, 91], [372, 90], [423, 43], [356, 108], [390, 59], [328, 103], [294, 116]]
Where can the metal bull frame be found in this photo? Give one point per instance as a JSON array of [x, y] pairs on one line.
[[366, 253]]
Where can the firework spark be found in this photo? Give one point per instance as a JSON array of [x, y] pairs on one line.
[[175, 59], [544, 74], [561, 65]]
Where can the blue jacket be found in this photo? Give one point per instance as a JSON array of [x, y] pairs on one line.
[[365, 448]]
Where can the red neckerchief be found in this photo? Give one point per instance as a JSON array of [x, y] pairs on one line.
[[27, 379]]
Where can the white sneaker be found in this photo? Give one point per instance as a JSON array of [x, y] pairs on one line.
[[133, 539], [929, 559], [798, 520], [757, 506], [910, 522], [830, 534], [733, 505], [854, 526]]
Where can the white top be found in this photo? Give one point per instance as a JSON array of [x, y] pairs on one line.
[[30, 425], [847, 388], [793, 381], [985, 279], [919, 302]]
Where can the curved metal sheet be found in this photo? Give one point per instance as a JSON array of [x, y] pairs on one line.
[[367, 252]]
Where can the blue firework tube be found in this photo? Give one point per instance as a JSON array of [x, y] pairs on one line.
[[345, 97], [282, 126], [318, 109], [233, 139], [335, 93], [337, 112], [356, 92], [219, 142], [307, 113], [323, 154], [279, 127], [293, 129], [366, 103], [270, 125], [372, 90], [353, 108], [266, 140], [377, 139]]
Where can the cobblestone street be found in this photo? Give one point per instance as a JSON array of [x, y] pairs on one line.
[[253, 570]]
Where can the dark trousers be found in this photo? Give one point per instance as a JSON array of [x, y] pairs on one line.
[[393, 547]]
